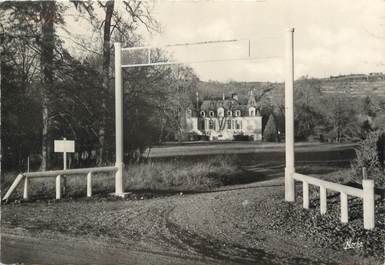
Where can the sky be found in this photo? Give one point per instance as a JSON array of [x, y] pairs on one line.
[[331, 37]]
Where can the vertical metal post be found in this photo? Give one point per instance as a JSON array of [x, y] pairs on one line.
[[64, 167], [289, 118], [119, 184], [64, 157], [28, 164]]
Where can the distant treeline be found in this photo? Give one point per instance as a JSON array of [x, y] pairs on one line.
[[326, 110]]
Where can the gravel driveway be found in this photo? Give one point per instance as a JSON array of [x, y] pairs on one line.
[[223, 227]]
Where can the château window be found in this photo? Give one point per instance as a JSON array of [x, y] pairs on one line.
[[211, 113], [211, 125], [238, 125], [229, 124], [203, 114], [237, 113], [229, 113]]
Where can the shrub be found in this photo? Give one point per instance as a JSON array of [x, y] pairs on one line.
[[241, 137], [179, 175], [368, 154], [270, 134]]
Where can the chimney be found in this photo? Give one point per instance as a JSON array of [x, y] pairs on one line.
[[234, 96]]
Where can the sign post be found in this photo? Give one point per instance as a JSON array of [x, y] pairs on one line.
[[64, 146]]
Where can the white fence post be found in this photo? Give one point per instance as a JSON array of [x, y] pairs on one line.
[[305, 189], [89, 184], [58, 188], [289, 118], [368, 198], [323, 200], [344, 207], [25, 191]]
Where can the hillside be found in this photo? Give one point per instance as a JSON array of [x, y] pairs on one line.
[[355, 85], [359, 88]]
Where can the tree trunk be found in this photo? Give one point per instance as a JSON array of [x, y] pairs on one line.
[[2, 176], [46, 60], [106, 79]]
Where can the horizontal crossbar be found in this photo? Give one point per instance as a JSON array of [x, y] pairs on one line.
[[330, 185], [69, 172], [203, 61], [54, 173]]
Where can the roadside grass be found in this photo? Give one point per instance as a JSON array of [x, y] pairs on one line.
[[180, 175], [174, 175], [191, 173]]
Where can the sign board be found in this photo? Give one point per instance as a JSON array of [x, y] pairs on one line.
[[64, 146]]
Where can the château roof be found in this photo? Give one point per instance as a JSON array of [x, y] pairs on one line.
[[213, 104], [229, 104]]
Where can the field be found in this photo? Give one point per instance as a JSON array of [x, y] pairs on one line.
[[202, 167]]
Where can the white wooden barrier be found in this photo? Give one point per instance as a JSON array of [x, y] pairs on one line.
[[366, 193], [28, 176]]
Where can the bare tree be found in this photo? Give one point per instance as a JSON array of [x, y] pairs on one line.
[[115, 23]]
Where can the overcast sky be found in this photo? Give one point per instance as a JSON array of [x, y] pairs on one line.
[[331, 37]]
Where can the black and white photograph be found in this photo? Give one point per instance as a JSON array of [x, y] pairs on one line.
[[197, 132]]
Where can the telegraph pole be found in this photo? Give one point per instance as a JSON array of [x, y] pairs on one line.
[[289, 117], [119, 181]]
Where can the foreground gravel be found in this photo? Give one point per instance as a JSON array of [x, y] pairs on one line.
[[248, 224]]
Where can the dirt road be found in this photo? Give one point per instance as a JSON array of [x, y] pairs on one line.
[[225, 227]]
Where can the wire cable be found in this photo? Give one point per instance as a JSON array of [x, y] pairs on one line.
[[202, 61]]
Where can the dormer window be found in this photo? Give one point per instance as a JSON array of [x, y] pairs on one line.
[[211, 113], [221, 112], [229, 113], [203, 114], [252, 111]]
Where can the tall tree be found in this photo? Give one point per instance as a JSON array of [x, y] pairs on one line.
[[47, 44], [341, 116], [109, 9], [180, 96], [32, 24], [119, 22], [308, 107]]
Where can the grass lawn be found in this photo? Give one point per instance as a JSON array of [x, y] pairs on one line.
[[200, 172]]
